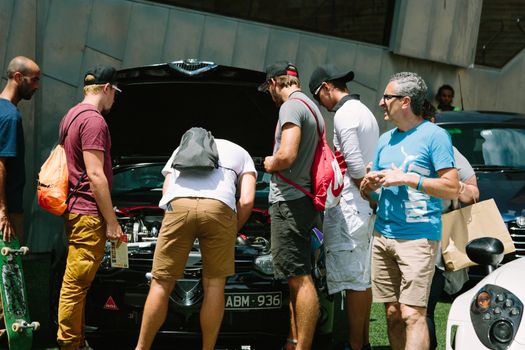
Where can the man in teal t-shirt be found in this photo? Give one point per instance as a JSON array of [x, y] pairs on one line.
[[23, 79], [413, 169]]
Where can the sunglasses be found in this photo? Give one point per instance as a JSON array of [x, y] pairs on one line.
[[388, 97]]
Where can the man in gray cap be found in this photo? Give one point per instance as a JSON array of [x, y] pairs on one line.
[[346, 226], [292, 212], [89, 219]]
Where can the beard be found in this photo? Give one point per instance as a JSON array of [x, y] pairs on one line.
[[277, 99], [25, 92]]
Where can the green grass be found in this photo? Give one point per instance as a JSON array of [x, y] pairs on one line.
[[378, 334]]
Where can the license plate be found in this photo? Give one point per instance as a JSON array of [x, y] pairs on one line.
[[251, 301]]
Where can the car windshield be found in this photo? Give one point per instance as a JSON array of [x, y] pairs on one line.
[[490, 146], [138, 178]]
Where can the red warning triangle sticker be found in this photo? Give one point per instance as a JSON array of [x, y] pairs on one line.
[[110, 304]]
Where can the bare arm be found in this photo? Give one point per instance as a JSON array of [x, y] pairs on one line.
[[287, 152], [94, 161], [469, 192], [246, 198], [5, 223], [446, 186]]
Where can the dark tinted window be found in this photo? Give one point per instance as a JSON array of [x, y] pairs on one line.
[[360, 20], [490, 145]]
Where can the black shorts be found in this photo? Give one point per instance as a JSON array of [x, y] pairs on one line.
[[292, 224]]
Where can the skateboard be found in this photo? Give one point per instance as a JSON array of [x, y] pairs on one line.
[[14, 297]]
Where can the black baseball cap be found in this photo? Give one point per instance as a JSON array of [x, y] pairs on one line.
[[327, 72], [277, 69], [100, 75]]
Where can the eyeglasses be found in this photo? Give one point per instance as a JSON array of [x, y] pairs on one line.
[[388, 97], [316, 92], [116, 89]]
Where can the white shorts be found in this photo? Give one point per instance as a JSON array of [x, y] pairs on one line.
[[348, 242]]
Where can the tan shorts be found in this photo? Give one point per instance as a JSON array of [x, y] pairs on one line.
[[402, 270], [212, 222]]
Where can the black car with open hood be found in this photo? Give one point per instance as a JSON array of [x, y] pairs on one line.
[[160, 102], [157, 105]]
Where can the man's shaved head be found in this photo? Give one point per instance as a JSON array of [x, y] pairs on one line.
[[21, 64]]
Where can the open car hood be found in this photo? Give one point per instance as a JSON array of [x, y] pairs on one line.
[[160, 102]]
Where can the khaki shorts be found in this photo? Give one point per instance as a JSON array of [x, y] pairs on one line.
[[212, 222], [402, 270]]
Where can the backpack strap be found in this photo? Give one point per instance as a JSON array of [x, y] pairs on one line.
[[61, 140], [62, 137], [322, 135]]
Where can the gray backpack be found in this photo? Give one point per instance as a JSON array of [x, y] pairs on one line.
[[197, 151]]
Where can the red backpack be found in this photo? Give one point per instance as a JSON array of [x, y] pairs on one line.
[[327, 171]]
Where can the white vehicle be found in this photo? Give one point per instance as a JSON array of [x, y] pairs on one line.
[[489, 315]]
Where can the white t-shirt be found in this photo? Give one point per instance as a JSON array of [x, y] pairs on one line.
[[220, 184], [355, 135]]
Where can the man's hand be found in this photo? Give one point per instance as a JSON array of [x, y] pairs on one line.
[[268, 164], [372, 181], [114, 231], [6, 228], [394, 177]]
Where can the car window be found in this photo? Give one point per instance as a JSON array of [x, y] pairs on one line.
[[490, 146], [138, 178]]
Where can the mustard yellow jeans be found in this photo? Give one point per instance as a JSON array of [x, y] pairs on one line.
[[86, 241]]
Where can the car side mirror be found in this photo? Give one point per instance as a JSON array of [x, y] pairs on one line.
[[486, 251]]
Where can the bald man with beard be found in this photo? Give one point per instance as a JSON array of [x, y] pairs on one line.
[[23, 80]]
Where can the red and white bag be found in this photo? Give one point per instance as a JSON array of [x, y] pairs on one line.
[[327, 172]]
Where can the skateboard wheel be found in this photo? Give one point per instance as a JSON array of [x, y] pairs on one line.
[[24, 250], [16, 327], [35, 325], [5, 251]]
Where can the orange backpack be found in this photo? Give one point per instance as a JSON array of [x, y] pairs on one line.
[[53, 187]]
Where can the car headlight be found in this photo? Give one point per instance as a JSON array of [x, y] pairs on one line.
[[520, 221], [496, 313], [264, 264]]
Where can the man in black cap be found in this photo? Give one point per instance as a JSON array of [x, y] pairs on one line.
[[90, 219], [292, 212], [346, 227]]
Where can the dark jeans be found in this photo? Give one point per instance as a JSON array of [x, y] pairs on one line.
[[436, 290]]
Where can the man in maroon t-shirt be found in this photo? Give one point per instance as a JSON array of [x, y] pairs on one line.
[[90, 218]]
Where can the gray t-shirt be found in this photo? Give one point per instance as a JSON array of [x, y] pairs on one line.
[[295, 112]]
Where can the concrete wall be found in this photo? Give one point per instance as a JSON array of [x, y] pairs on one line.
[[440, 31], [68, 36]]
